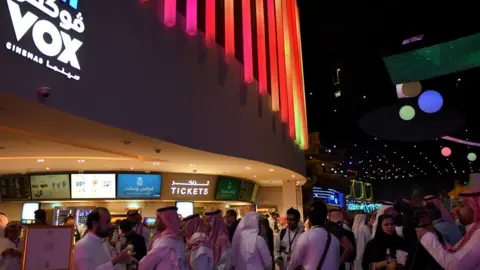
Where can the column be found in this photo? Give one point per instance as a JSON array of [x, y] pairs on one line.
[[291, 195]]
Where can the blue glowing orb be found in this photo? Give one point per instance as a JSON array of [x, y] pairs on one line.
[[430, 101]]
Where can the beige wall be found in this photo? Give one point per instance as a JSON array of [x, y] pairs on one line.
[[273, 197]]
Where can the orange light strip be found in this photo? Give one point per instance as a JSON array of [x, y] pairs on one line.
[[282, 73], [272, 43], [247, 42], [210, 33], [289, 66], [262, 50], [229, 31], [302, 82], [170, 13]]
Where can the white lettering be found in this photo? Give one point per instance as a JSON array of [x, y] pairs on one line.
[[70, 52], [195, 191], [189, 191], [183, 191], [205, 192], [173, 190], [45, 27], [20, 24], [9, 46]]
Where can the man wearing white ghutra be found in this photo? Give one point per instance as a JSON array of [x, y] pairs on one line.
[[286, 240]]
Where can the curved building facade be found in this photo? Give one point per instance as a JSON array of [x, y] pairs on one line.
[[198, 87]]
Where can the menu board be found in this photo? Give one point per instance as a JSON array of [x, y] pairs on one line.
[[139, 186], [330, 196], [246, 191], [55, 186], [15, 187], [228, 188], [93, 186], [48, 247]]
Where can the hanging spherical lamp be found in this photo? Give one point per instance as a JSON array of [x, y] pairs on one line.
[[411, 89], [407, 113], [472, 157], [446, 151], [430, 101]]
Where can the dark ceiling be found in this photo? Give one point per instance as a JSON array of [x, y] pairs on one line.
[[353, 37]]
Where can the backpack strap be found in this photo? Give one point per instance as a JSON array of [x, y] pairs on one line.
[[325, 251]]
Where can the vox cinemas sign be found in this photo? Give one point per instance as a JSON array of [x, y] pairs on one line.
[[53, 30]]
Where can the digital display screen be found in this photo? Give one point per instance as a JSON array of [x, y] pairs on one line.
[[50, 186], [28, 211], [15, 187], [184, 208], [329, 196], [146, 186], [93, 186], [246, 191]]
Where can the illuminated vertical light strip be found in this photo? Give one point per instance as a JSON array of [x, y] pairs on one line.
[[272, 43], [210, 34], [282, 73], [229, 31], [247, 42], [261, 49], [302, 82], [170, 13], [295, 73], [289, 71], [191, 28]]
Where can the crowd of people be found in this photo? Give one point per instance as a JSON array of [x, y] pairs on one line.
[[416, 233]]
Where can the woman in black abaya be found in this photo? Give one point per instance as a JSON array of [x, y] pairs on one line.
[[375, 256]]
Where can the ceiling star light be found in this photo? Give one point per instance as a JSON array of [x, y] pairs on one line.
[[430, 101], [446, 151]]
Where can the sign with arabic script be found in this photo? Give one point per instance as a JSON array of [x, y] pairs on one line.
[[228, 189], [55, 29], [139, 186], [188, 187]]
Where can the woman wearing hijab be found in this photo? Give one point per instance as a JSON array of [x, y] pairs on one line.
[[166, 250], [381, 251], [363, 235], [250, 251], [11, 247], [217, 229], [3, 223], [199, 247]]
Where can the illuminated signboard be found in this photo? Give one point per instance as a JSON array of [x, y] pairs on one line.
[[187, 187], [93, 186], [364, 207], [139, 186], [54, 30], [330, 196], [54, 186]]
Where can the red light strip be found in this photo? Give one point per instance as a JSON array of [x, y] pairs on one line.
[[191, 25], [170, 13], [210, 33], [229, 31], [289, 66], [262, 51], [282, 73], [247, 42], [272, 43]]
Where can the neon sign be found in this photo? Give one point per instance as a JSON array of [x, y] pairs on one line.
[[57, 50]]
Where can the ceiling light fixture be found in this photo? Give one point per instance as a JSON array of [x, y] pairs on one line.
[[125, 142], [40, 161], [47, 168], [81, 161], [271, 170], [156, 163], [191, 165], [248, 168]]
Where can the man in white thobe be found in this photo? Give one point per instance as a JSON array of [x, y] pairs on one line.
[[136, 219], [313, 250], [166, 250], [249, 250], [286, 240], [91, 252], [468, 212]]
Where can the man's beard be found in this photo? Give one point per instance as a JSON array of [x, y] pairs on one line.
[[101, 234]]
